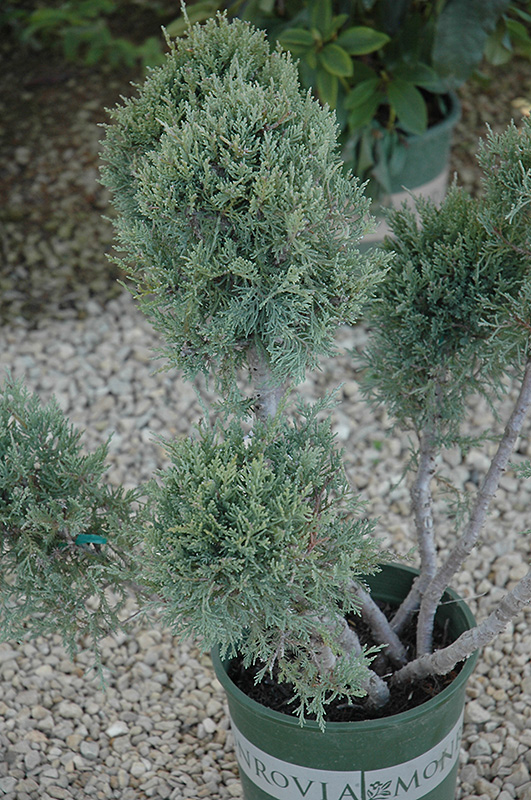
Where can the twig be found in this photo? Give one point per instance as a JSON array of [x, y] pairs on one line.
[[376, 688], [522, 251]]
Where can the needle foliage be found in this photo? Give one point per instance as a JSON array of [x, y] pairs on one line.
[[242, 230], [432, 341], [238, 224], [64, 533], [255, 543]]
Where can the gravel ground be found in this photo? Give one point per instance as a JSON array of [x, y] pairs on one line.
[[160, 729]]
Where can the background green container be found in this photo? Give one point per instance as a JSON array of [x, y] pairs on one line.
[[427, 155], [411, 756]]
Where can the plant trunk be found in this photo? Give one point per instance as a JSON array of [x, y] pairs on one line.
[[381, 630], [376, 688], [464, 546], [422, 503], [268, 392]]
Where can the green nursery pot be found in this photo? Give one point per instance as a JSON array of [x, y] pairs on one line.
[[427, 155], [423, 172], [410, 756]]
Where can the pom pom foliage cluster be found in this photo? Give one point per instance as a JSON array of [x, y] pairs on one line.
[[432, 344], [258, 540], [233, 207], [452, 317], [65, 535]]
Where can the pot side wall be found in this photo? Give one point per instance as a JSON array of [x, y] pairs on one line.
[[412, 755]]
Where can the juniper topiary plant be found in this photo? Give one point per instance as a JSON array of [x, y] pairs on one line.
[[240, 231]]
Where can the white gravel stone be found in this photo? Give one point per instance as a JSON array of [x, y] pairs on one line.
[[69, 710], [475, 713], [118, 728], [519, 776], [137, 768], [89, 750], [7, 784]]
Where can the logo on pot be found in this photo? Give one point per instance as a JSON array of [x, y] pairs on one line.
[[410, 780]]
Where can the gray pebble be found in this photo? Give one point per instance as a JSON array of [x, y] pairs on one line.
[[89, 750]]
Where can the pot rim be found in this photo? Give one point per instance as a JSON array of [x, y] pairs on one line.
[[370, 724]]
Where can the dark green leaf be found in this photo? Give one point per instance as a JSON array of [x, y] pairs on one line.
[[151, 52], [380, 172], [413, 42], [393, 14], [198, 12], [420, 75], [397, 158], [362, 92], [91, 8], [519, 12], [362, 72], [409, 105], [307, 73], [321, 16], [461, 35], [519, 38], [364, 113], [310, 57], [336, 61], [47, 19], [518, 33], [297, 40], [516, 29], [497, 49], [327, 87], [366, 155], [336, 23], [360, 40], [71, 44], [341, 111]]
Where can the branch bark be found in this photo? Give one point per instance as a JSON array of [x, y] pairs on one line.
[[422, 503], [380, 627], [376, 688], [465, 544], [347, 639], [268, 392], [443, 661]]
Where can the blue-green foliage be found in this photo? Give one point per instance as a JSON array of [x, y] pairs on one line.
[[506, 162], [432, 342], [64, 533], [256, 539], [233, 206]]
